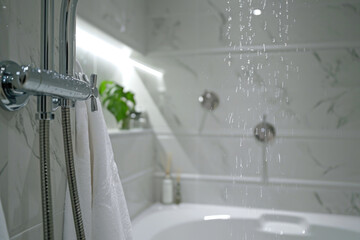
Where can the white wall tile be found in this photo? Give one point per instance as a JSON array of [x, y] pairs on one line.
[[311, 97], [279, 23], [139, 194], [274, 85], [216, 155], [133, 152], [334, 201], [315, 159], [36, 231], [124, 20], [24, 195]]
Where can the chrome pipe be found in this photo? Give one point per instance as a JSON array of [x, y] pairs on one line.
[[66, 67], [51, 83], [35, 81], [45, 111], [67, 50], [45, 115], [47, 34]]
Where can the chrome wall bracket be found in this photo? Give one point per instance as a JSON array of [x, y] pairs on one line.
[[19, 82]]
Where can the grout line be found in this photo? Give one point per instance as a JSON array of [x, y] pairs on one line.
[[271, 181], [313, 183], [351, 135], [26, 230], [34, 226], [137, 175], [117, 132]]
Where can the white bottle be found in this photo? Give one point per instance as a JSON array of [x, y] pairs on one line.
[[167, 190]]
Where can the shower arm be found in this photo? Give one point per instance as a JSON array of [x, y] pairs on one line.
[[19, 82]]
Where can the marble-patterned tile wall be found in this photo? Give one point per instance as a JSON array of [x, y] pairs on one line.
[[124, 19], [276, 83], [19, 158], [206, 24], [299, 198], [298, 63]]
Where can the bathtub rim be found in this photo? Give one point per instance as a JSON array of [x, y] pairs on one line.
[[196, 212]]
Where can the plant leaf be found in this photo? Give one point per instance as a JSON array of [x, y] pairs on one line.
[[119, 102], [104, 85], [130, 96], [118, 109]]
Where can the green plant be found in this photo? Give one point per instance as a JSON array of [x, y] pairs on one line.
[[119, 102]]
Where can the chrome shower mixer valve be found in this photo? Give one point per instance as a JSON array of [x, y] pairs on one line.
[[20, 82]]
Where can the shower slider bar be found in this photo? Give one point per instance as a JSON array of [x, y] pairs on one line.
[[19, 82]]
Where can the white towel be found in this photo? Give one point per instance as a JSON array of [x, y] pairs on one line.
[[4, 235], [110, 216], [102, 199]]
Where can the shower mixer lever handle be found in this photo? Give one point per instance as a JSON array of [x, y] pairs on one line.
[[94, 92]]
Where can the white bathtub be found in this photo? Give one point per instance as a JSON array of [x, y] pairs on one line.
[[208, 222]]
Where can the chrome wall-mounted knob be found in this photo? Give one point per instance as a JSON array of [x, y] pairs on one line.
[[264, 131], [209, 100], [94, 92]]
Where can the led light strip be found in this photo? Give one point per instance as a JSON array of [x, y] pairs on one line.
[[107, 49]]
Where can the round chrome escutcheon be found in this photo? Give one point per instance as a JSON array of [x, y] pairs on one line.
[[10, 98]]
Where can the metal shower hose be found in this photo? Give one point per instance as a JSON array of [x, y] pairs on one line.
[[70, 167]]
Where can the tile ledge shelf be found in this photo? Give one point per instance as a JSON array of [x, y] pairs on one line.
[[116, 132], [272, 182], [137, 175], [320, 134], [255, 49]]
